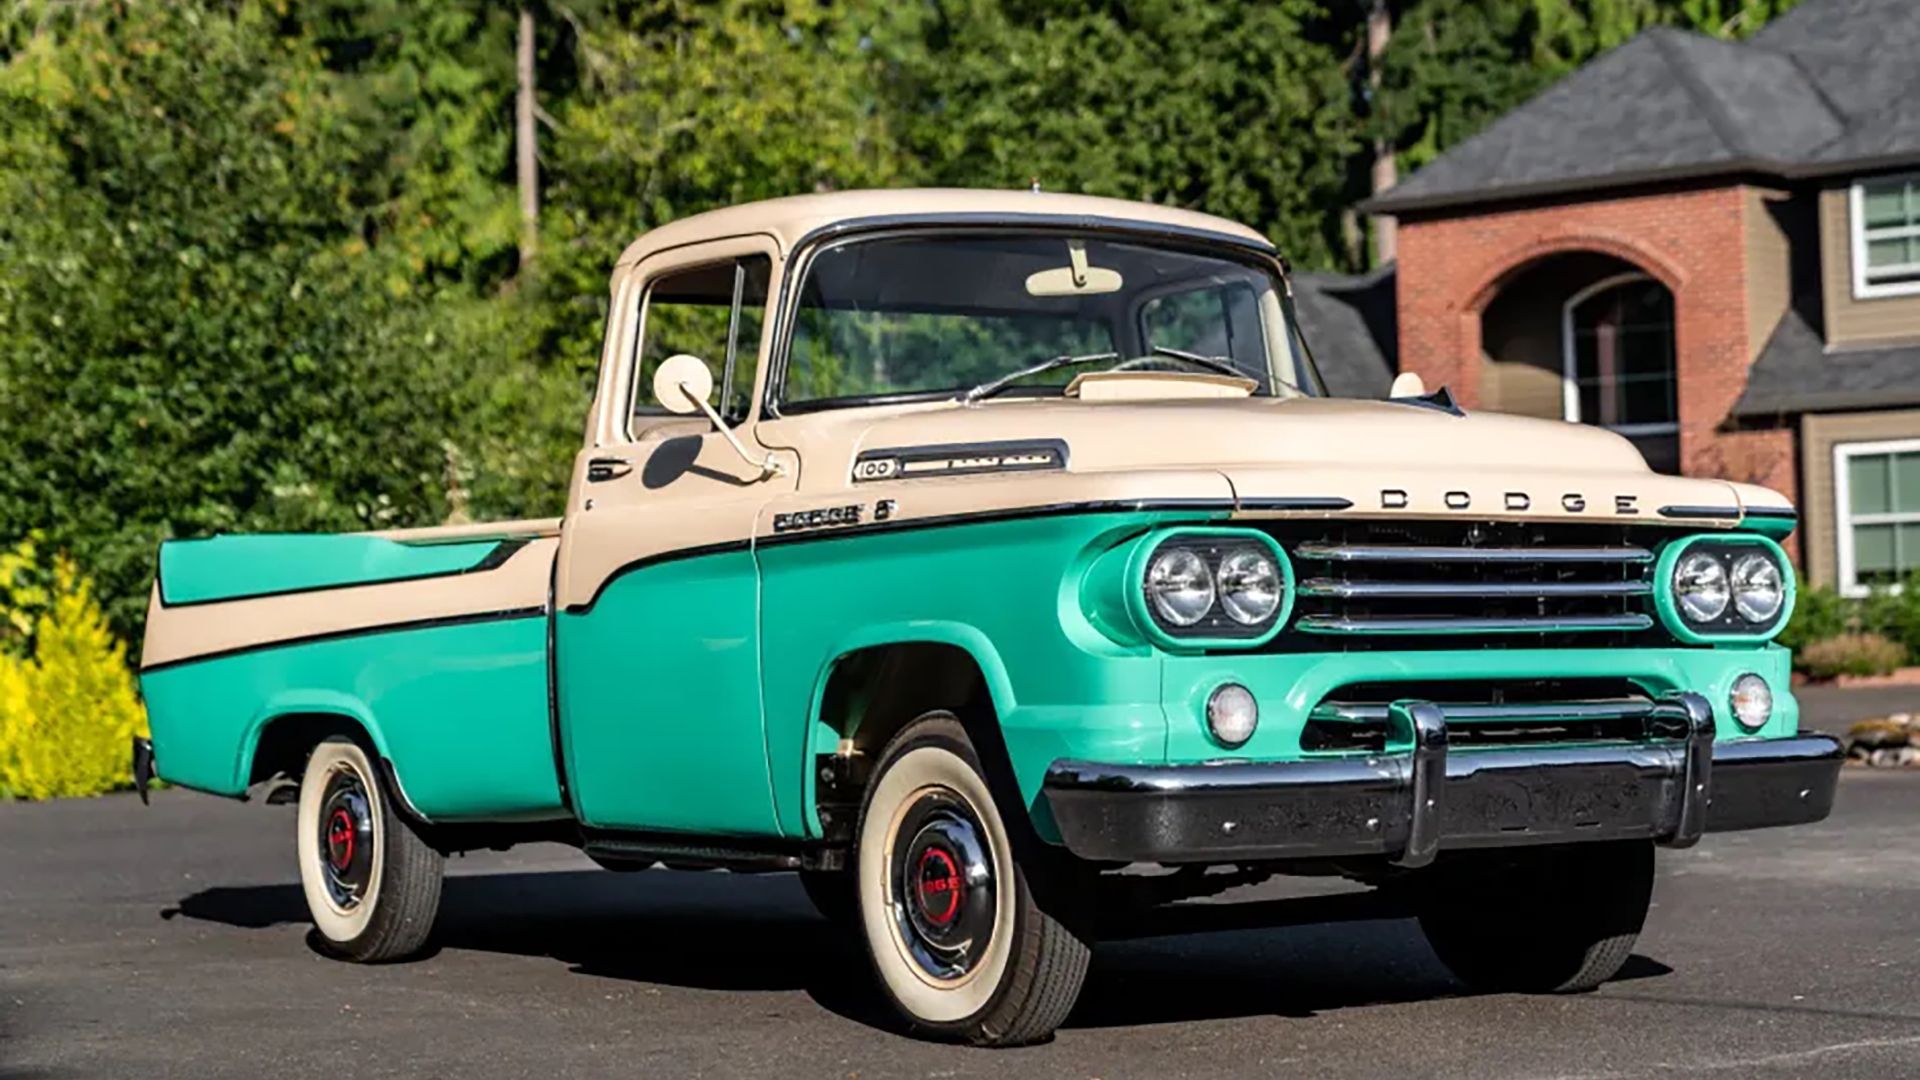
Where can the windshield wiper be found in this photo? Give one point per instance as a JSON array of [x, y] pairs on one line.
[[994, 386], [1220, 364], [1215, 363]]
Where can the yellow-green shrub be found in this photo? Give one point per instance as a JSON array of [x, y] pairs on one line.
[[68, 710]]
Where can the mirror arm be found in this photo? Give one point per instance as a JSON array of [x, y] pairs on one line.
[[769, 466]]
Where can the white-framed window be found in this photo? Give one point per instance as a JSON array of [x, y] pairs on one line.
[[1885, 217], [1617, 355], [1876, 495]]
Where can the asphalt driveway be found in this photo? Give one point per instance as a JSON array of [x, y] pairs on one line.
[[170, 942]]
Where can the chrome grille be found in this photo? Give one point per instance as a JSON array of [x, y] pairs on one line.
[[1503, 581], [1492, 714]]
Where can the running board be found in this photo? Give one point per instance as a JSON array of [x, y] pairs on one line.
[[630, 852]]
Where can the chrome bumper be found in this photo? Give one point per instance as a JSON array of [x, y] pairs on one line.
[[1409, 804]]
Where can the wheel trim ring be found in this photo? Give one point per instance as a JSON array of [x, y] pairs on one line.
[[935, 761], [943, 952], [347, 800]]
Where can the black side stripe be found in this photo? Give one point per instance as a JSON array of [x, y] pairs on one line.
[[492, 560], [1719, 513], [1732, 513], [1298, 502], [358, 631], [983, 517]]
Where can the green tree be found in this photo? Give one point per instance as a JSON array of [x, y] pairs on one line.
[[196, 334], [1238, 108]]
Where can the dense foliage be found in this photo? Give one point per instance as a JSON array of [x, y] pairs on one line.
[[261, 256]]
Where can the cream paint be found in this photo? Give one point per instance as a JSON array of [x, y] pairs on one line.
[[182, 633], [530, 529], [1156, 386], [789, 219], [688, 489]]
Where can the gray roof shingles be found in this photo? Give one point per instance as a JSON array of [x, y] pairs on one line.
[[1795, 373], [1349, 323], [1830, 85]]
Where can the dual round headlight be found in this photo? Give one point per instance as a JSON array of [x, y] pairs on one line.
[[1184, 587], [1707, 583]]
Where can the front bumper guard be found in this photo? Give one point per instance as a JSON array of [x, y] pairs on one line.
[[1410, 804]]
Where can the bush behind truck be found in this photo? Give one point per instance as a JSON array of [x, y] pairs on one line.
[[957, 549]]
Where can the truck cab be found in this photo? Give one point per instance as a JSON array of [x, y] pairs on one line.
[[959, 550]]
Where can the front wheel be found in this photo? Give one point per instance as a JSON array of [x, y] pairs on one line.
[[1547, 920], [372, 884], [964, 945]]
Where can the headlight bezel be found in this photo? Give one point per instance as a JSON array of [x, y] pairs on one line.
[[1217, 629], [1730, 626]]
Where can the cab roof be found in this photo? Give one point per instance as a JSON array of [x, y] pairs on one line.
[[791, 219]]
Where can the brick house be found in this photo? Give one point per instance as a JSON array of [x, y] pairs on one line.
[[1710, 247]]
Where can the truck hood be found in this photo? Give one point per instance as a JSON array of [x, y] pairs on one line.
[[1299, 454]]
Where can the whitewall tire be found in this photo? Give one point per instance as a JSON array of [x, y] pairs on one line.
[[959, 937], [371, 883]]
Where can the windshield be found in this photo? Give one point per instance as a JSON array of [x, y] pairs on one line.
[[933, 315]]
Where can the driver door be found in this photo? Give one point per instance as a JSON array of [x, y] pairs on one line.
[[656, 646]]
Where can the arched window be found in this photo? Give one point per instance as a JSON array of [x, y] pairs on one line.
[[1618, 351]]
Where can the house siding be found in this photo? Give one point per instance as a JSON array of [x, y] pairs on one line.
[[1819, 516], [1769, 264], [1851, 321]]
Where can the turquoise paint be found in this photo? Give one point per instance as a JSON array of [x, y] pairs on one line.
[[660, 700], [460, 710], [1287, 686], [1075, 689], [995, 588], [660, 682], [236, 567], [1669, 609], [1774, 528]]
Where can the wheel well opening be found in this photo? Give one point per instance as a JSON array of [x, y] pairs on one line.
[[286, 742], [875, 692]]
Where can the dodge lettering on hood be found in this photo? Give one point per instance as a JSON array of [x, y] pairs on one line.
[[958, 550]]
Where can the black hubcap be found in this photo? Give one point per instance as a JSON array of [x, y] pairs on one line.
[[943, 886], [346, 838]]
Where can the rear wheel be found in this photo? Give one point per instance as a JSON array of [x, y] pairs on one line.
[[372, 884], [964, 944], [1546, 920]]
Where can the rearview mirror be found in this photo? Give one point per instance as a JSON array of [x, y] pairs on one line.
[[682, 383], [1075, 279]]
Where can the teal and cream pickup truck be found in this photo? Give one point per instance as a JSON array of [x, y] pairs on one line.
[[960, 550]]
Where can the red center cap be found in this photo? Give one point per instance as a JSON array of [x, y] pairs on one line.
[[940, 886], [340, 839]]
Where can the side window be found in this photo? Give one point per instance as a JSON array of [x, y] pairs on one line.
[[714, 312], [1223, 321]]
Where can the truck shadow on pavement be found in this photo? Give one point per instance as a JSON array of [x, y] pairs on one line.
[[1294, 957]]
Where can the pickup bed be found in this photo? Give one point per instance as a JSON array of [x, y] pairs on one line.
[[957, 550]]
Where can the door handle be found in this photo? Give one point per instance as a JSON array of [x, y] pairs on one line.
[[602, 469]]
